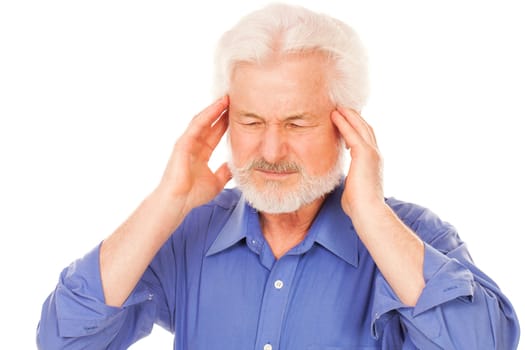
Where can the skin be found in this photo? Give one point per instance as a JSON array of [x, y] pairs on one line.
[[278, 111], [290, 124]]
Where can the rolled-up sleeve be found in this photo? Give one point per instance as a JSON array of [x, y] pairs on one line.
[[459, 308], [75, 316]]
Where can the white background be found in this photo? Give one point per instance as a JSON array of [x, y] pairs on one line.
[[93, 95]]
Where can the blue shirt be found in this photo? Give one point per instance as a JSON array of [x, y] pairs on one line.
[[216, 284]]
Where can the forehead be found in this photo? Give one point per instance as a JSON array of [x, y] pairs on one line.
[[296, 82]]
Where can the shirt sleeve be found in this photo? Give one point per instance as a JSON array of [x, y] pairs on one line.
[[75, 316], [459, 308]]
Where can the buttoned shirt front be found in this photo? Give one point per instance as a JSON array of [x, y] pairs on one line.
[[217, 285]]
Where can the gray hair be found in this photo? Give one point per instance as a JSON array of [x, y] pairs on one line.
[[279, 29]]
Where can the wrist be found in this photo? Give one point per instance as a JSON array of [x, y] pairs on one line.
[[169, 201], [366, 208]]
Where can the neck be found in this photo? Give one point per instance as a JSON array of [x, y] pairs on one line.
[[284, 231]]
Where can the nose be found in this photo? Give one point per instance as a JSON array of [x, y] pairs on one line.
[[274, 144]]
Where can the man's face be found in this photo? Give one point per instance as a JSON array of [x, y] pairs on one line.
[[281, 134]]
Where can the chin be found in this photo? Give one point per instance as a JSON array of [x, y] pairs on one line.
[[275, 197], [284, 192]]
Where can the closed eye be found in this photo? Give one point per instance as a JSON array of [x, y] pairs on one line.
[[252, 124], [300, 122], [299, 125], [295, 125]]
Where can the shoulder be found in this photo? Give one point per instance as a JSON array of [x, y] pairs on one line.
[[207, 218], [226, 199], [424, 222]]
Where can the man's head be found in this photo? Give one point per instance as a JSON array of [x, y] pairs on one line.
[[285, 70]]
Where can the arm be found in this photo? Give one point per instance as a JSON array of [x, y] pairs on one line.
[[459, 308], [187, 183], [99, 302], [396, 250], [442, 299]]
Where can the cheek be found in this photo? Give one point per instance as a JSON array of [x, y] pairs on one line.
[[242, 146], [319, 154]]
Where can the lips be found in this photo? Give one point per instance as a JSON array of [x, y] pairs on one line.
[[274, 175], [275, 172]]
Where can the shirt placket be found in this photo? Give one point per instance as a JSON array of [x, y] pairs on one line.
[[274, 304]]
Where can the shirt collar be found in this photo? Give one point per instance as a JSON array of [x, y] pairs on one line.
[[234, 230], [332, 228]]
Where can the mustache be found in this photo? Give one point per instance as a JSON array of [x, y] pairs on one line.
[[280, 167]]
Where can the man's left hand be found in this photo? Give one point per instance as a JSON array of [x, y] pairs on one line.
[[364, 183]]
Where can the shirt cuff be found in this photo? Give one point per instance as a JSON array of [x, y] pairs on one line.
[[445, 279], [80, 305]]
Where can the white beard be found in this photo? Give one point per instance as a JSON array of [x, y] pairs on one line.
[[274, 197]]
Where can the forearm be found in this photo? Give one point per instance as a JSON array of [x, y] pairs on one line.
[[74, 316], [125, 255], [396, 250], [80, 313], [460, 307]]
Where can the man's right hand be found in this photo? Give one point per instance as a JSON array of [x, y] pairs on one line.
[[187, 182], [187, 175]]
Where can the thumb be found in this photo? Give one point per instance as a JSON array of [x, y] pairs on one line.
[[223, 175]]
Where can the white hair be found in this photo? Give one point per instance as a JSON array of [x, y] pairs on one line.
[[278, 30], [275, 198]]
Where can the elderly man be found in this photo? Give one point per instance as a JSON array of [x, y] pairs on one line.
[[302, 255]]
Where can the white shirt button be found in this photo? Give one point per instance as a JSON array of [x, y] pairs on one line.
[[278, 284], [267, 347]]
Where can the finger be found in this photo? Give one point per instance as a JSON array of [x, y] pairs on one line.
[[223, 175], [217, 130], [359, 124], [350, 135], [208, 116]]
